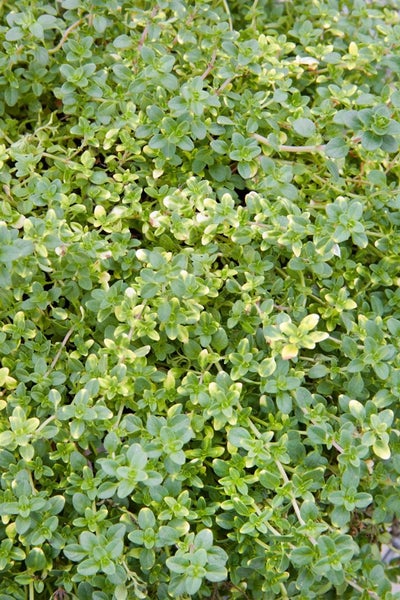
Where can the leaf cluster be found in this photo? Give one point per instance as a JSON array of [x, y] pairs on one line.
[[199, 299]]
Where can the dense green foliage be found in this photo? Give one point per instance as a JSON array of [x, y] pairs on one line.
[[199, 298]]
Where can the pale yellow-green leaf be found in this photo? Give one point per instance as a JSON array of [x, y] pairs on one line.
[[381, 449], [289, 351]]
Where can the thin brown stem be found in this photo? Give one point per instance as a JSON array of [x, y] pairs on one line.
[[228, 14], [210, 65], [338, 447], [54, 157], [64, 36], [360, 589], [188, 22], [57, 356], [146, 29], [224, 84], [285, 148], [293, 500], [45, 423]]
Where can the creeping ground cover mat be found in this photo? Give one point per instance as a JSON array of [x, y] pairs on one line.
[[199, 299]]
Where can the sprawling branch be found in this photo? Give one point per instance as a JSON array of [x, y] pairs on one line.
[[64, 36], [285, 148]]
